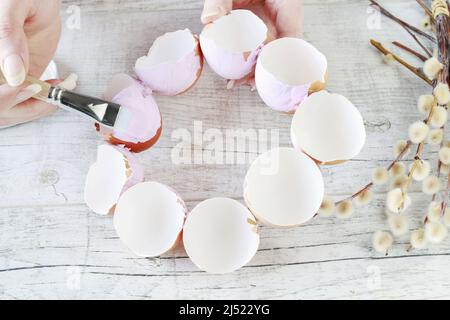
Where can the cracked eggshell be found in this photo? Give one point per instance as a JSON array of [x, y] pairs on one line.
[[139, 124], [328, 127], [149, 218], [231, 44], [288, 69], [173, 65], [283, 188], [115, 171], [220, 235]]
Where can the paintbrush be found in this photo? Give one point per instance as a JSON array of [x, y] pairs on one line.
[[102, 111]]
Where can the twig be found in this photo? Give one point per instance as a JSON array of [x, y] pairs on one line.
[[371, 184], [426, 9], [427, 52], [409, 50], [418, 72], [403, 23]]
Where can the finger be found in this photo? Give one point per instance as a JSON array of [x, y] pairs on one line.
[[288, 17], [214, 9], [13, 43], [11, 96], [31, 109]]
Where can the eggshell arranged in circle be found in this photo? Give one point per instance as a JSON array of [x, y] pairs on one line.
[[149, 218], [288, 69], [139, 124], [231, 44], [283, 187], [220, 235], [115, 171], [173, 64], [328, 127]]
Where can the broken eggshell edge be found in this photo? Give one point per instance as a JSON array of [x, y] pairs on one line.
[[171, 75], [115, 171], [287, 71], [139, 124], [229, 62]]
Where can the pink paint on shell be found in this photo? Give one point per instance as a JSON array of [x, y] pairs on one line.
[[173, 64], [277, 95], [287, 70], [228, 65], [137, 170], [139, 118], [172, 78]]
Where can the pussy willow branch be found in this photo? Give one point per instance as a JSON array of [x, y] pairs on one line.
[[424, 48], [389, 167], [417, 71], [402, 23], [409, 50]]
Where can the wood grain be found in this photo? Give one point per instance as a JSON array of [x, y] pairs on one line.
[[52, 246]]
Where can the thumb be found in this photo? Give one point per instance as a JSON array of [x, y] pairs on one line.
[[13, 44], [215, 9]]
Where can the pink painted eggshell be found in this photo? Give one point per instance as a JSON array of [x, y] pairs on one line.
[[288, 69], [139, 124], [173, 64], [231, 44]]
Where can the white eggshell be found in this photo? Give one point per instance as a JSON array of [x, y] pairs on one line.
[[173, 64], [231, 44], [220, 235], [328, 127], [283, 187], [287, 70], [149, 218], [115, 170]]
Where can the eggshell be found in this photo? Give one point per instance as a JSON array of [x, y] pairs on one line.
[[220, 235], [328, 127], [149, 218], [231, 44], [139, 124], [288, 69], [115, 171], [284, 188], [173, 64]]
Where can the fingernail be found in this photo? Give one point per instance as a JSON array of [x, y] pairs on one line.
[[14, 70], [28, 92]]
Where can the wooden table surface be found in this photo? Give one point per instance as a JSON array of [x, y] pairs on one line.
[[52, 246]]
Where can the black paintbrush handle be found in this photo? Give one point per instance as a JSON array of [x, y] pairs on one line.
[[100, 110]]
